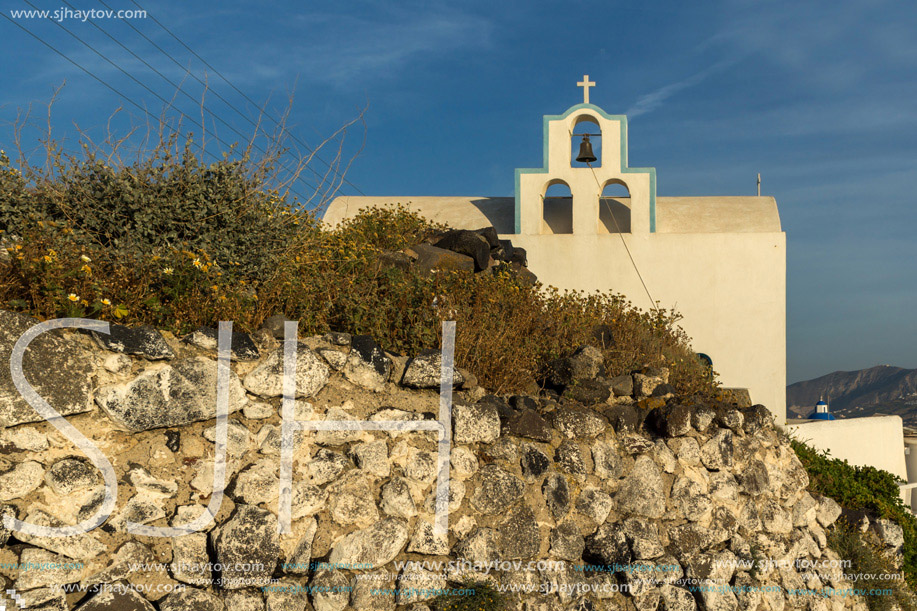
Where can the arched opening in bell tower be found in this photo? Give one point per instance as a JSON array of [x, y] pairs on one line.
[[614, 207], [558, 208], [586, 135]]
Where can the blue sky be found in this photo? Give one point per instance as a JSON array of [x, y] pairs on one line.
[[820, 97]]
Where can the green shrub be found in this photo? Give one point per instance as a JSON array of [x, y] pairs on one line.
[[868, 561], [862, 488], [170, 199]]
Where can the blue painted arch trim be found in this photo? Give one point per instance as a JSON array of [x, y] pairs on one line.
[[624, 169]]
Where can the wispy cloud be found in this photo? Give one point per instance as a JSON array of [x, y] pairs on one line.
[[342, 50], [652, 101]]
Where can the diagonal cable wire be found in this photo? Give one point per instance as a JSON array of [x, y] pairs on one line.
[[179, 88], [216, 93], [130, 76], [227, 81], [623, 241]]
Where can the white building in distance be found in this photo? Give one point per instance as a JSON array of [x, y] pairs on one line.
[[720, 261]]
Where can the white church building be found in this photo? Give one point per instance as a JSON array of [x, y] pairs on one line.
[[719, 261]]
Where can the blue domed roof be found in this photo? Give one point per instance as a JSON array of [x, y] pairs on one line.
[[822, 402], [821, 416]]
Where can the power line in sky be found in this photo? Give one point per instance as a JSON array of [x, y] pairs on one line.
[[236, 89], [101, 81], [178, 88], [163, 100]]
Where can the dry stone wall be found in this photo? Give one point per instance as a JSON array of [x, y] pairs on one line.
[[601, 494]]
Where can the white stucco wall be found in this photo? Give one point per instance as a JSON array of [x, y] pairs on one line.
[[876, 441]]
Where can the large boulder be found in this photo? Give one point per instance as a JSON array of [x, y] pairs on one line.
[[468, 243], [178, 394], [58, 368], [431, 258]]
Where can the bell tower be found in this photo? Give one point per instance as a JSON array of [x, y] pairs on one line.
[[585, 180]]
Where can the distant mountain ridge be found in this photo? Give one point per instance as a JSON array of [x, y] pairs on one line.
[[883, 388]]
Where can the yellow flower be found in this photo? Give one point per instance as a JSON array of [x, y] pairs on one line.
[[105, 302], [73, 297], [48, 258], [85, 259], [196, 262], [86, 269], [214, 288], [84, 302], [168, 271]]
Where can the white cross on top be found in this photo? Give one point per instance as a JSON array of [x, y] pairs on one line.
[[585, 84]]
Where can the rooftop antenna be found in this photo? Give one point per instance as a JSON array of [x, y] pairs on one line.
[[759, 184]]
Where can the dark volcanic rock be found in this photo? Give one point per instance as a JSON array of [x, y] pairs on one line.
[[499, 403], [757, 418], [274, 325], [567, 543], [117, 599], [528, 423], [142, 341], [468, 243], [430, 258], [608, 546], [534, 462], [497, 491], [671, 420], [519, 402], [622, 386], [519, 535], [57, 368], [368, 350], [588, 392], [625, 418], [523, 275], [586, 363], [519, 256], [248, 547], [489, 234], [556, 493]]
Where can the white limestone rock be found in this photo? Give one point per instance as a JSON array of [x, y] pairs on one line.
[[266, 379]]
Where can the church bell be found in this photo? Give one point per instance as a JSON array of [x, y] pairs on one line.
[[585, 151]]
